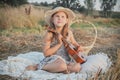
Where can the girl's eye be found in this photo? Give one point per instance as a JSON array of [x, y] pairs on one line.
[[57, 15], [62, 16]]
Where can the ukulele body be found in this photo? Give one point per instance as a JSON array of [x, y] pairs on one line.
[[77, 56]]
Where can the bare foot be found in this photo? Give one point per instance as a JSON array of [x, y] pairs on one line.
[[66, 72], [32, 67]]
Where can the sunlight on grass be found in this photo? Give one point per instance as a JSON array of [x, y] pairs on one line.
[[16, 17], [80, 25], [22, 31]]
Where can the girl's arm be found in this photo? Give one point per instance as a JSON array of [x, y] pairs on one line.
[[48, 51]]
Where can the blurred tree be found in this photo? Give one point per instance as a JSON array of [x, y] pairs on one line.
[[90, 6], [107, 6], [72, 4], [36, 3], [44, 3], [13, 2]]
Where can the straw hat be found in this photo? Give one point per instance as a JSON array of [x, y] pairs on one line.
[[70, 13]]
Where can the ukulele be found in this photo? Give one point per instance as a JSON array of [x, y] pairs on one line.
[[73, 52], [71, 49]]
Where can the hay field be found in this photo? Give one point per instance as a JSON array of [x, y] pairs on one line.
[[21, 33]]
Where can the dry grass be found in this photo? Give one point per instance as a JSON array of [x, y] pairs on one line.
[[16, 17], [19, 44], [114, 72]]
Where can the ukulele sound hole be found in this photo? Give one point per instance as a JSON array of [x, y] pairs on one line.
[[82, 56]]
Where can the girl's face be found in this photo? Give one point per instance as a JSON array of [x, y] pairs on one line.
[[59, 19]]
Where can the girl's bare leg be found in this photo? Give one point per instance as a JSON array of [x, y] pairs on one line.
[[74, 67], [57, 66]]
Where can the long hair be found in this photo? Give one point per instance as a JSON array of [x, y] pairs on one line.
[[65, 31]]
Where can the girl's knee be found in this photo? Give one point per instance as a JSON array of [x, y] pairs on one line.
[[77, 67]]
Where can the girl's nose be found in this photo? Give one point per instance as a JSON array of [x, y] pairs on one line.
[[60, 18]]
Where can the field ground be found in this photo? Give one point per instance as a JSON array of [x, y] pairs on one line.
[[108, 41]]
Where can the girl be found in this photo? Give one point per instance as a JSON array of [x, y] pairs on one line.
[[56, 57]]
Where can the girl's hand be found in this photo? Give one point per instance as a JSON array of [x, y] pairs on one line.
[[59, 38], [79, 49]]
